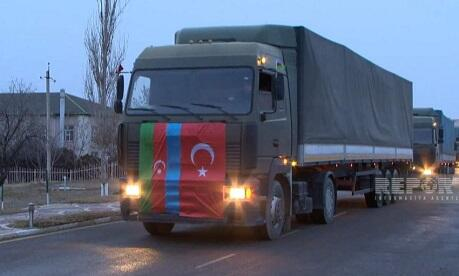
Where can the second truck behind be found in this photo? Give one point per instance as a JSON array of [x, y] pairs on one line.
[[434, 142]]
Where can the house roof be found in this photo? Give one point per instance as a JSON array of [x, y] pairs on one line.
[[36, 103]]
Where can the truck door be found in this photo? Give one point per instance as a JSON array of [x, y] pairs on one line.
[[274, 137]]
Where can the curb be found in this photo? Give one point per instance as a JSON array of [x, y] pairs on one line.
[[37, 231]]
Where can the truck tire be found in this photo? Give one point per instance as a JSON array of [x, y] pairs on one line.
[[387, 197], [325, 214], [373, 201], [274, 213], [395, 174], [158, 229], [125, 212]]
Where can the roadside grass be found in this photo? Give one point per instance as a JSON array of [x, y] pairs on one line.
[[64, 219], [18, 196]]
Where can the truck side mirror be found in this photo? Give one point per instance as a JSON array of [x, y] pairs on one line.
[[440, 136], [118, 106], [279, 88]]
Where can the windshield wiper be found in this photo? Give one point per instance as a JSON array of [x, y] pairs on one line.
[[154, 112], [182, 108], [216, 107]]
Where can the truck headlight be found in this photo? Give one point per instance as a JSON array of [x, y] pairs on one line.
[[238, 193], [427, 172], [132, 190]]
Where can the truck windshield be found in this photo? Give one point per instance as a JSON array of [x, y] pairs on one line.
[[423, 136], [192, 91]]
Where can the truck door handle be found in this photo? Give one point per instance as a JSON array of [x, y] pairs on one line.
[[276, 143], [262, 116]]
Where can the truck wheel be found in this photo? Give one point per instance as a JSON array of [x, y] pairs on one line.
[[325, 214], [274, 213], [395, 174], [158, 229], [373, 201], [125, 212], [387, 197]]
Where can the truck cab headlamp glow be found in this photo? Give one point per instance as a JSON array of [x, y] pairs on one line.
[[132, 190], [237, 193], [427, 172]]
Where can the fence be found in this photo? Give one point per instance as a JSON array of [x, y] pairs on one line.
[[22, 175]]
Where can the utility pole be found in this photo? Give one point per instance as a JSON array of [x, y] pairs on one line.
[[48, 144]]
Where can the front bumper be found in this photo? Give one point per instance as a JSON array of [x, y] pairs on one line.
[[243, 213]]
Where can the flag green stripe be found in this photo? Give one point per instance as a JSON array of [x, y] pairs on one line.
[[145, 163]]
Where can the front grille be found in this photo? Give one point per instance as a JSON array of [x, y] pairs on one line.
[[132, 157], [233, 157]]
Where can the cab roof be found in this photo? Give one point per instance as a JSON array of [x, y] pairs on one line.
[[191, 54], [276, 35]]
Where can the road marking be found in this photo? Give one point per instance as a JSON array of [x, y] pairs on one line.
[[58, 232], [215, 261], [340, 214], [290, 233]]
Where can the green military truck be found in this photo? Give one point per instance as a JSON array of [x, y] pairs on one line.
[[433, 142], [256, 125]]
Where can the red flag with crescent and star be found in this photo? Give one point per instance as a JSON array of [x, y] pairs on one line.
[[202, 176], [182, 169]]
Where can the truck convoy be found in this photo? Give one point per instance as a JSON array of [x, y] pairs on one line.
[[434, 142], [254, 125]]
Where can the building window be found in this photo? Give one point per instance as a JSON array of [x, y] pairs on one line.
[[68, 133]]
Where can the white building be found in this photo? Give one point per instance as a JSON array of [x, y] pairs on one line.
[[71, 119]]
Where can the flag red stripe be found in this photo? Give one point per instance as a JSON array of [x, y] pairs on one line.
[[201, 182]]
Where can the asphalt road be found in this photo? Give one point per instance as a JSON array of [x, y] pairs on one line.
[[406, 238]]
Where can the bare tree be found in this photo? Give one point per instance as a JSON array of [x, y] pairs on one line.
[[104, 133], [84, 138], [81, 143], [37, 156], [104, 56], [17, 127], [104, 53], [141, 99]]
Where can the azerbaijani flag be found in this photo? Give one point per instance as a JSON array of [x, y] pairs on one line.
[[182, 168]]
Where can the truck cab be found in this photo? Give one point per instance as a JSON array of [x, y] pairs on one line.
[[426, 150], [241, 86], [433, 144]]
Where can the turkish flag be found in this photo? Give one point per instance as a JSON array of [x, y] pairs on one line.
[[203, 165]]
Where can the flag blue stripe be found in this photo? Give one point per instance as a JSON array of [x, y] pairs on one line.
[[173, 168]]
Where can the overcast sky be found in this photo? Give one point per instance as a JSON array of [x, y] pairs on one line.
[[416, 39]]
